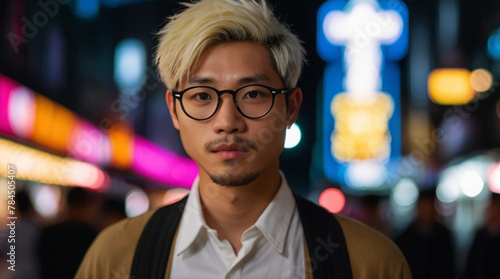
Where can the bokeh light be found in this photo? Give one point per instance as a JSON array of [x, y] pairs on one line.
[[36, 165], [366, 174], [332, 199], [22, 111], [447, 191], [136, 203], [46, 199], [471, 183], [494, 178], [405, 193], [130, 65], [86, 175], [87, 9], [450, 86], [481, 80], [89, 143], [53, 125], [173, 195], [159, 164], [494, 45], [293, 136]]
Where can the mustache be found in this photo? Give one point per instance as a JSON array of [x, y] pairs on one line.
[[231, 139]]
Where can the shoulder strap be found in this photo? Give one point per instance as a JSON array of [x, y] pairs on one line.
[[324, 237], [153, 249], [325, 241]]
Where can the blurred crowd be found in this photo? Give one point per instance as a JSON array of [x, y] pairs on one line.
[[54, 249]]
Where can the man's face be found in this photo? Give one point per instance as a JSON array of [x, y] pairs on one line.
[[229, 148]]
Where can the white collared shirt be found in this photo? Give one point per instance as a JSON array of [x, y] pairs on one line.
[[271, 248]]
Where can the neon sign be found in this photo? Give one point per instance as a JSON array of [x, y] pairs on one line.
[[361, 40]]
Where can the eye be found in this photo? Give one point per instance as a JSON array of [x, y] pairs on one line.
[[202, 96], [255, 94]]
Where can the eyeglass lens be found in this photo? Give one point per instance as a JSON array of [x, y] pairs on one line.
[[252, 101]]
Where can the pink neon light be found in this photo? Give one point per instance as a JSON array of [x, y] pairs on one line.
[[90, 144], [159, 164], [6, 87]]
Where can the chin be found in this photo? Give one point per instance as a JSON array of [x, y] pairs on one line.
[[234, 179]]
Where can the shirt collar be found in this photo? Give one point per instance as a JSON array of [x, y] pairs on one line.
[[275, 220], [273, 223], [192, 221]]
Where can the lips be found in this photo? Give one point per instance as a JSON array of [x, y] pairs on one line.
[[230, 151]]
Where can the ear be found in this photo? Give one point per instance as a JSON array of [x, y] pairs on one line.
[[294, 103], [172, 109]]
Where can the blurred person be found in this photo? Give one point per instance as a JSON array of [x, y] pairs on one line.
[[63, 245], [241, 218], [27, 235], [482, 261], [427, 243], [113, 210], [371, 213]]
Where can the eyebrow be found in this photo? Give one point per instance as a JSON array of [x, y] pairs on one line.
[[200, 80]]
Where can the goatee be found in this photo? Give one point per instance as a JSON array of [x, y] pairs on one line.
[[233, 179]]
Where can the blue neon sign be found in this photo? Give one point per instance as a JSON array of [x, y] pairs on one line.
[[361, 40]]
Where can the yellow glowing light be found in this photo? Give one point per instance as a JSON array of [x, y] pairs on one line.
[[450, 86], [54, 124], [361, 127], [85, 175], [35, 165], [481, 80], [121, 138]]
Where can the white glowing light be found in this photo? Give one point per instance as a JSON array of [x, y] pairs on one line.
[[46, 200], [85, 175], [130, 65], [366, 174], [405, 193], [363, 30], [471, 183], [293, 136], [464, 180], [447, 191], [136, 203], [22, 111]]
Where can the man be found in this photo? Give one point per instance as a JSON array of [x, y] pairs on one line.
[[485, 247], [63, 245], [427, 243], [231, 70]]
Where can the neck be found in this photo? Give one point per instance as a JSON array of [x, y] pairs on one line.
[[232, 210]]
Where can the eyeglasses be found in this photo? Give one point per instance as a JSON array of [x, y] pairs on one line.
[[252, 101]]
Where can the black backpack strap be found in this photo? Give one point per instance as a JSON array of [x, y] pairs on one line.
[[324, 237], [325, 241], [153, 249]]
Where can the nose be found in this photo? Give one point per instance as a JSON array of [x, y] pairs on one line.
[[227, 119]]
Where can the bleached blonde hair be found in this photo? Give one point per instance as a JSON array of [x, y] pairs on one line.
[[208, 22]]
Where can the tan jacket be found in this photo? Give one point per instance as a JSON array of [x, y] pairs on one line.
[[372, 254]]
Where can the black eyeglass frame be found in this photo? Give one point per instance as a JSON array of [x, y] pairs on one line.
[[274, 92]]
